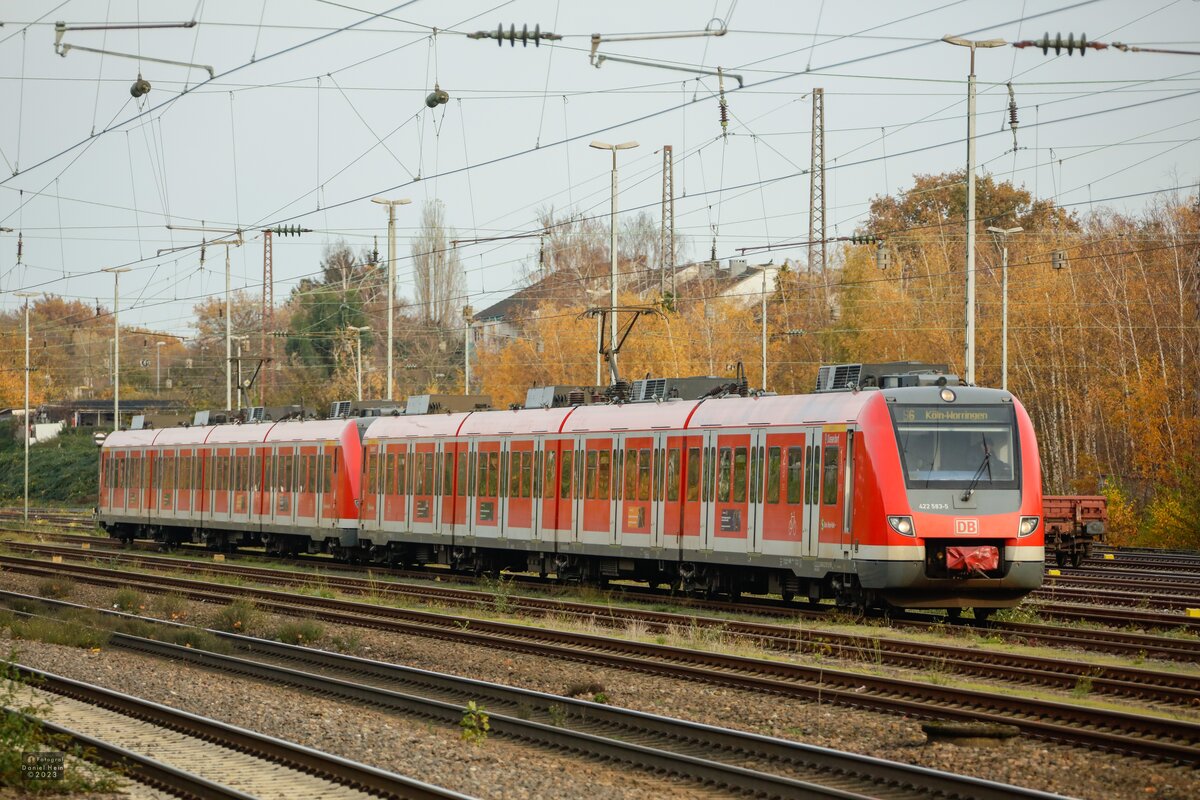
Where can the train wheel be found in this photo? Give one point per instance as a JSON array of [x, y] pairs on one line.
[[1077, 558], [1060, 558], [788, 596], [983, 614], [953, 614]]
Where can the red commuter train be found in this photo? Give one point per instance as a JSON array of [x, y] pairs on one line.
[[924, 496]]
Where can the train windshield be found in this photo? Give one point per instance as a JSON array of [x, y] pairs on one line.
[[957, 447]]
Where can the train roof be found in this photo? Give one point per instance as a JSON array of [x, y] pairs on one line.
[[416, 426], [531, 420], [779, 410], [287, 431], [671, 415]]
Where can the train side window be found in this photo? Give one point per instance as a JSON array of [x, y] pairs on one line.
[[795, 475], [481, 482], [330, 467], [527, 473], [536, 467], [373, 472], [514, 473], [549, 478], [578, 474], [604, 474], [565, 477], [430, 486], [694, 464], [471, 474], [813, 466], [491, 476], [658, 474], [644, 474], [448, 474], [461, 460], [739, 475], [755, 491], [774, 463], [589, 484], [830, 484], [630, 467], [725, 468], [672, 493]]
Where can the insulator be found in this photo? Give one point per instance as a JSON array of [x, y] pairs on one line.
[[20, 245], [724, 105], [1058, 43], [140, 87], [511, 35], [1013, 122], [437, 97]]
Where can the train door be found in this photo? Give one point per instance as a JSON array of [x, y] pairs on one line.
[[658, 492], [783, 504], [425, 479], [117, 499], [137, 482], [729, 509], [330, 475], [834, 541], [284, 507], [306, 475], [535, 490], [183, 487], [518, 513], [682, 512], [811, 475], [220, 507], [754, 523], [394, 483], [241, 484], [597, 501], [369, 511], [550, 503], [486, 518], [154, 500], [634, 518], [454, 487]]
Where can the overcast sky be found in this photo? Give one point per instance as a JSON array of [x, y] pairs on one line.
[[318, 106]]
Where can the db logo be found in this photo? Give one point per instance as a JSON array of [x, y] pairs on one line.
[[966, 527]]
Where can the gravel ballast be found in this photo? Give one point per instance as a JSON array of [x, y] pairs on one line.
[[502, 769]]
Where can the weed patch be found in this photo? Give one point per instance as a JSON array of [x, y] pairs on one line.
[[300, 633], [237, 617]]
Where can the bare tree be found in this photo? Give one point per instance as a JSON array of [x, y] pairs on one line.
[[440, 284]]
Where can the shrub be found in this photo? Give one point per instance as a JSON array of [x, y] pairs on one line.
[[172, 606], [303, 632], [475, 723], [56, 588], [129, 600], [237, 617], [68, 632]]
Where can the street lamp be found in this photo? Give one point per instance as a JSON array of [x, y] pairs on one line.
[[1001, 235], [969, 360], [25, 421], [157, 366], [612, 266], [358, 330], [391, 313], [116, 273]]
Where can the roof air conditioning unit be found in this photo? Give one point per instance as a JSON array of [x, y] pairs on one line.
[[339, 409]]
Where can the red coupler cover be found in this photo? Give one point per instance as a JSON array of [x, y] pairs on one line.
[[979, 557]]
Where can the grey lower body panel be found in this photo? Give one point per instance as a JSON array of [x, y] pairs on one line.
[[904, 583]]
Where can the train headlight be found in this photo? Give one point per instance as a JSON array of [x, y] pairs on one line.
[[902, 525], [948, 394], [1028, 525]]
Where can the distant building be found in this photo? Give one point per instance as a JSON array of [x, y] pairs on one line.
[[735, 280]]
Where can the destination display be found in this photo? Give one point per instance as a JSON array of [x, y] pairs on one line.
[[972, 414]]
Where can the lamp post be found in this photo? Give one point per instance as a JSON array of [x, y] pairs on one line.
[[969, 360], [25, 420], [391, 312], [1001, 235], [358, 330], [158, 367], [240, 388], [116, 273], [612, 266], [467, 314]]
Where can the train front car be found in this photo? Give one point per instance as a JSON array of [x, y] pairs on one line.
[[961, 500]]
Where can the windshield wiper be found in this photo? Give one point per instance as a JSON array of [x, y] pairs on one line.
[[986, 464]]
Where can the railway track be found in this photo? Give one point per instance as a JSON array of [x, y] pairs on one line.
[[197, 757], [1134, 734], [1063, 674], [1116, 641], [733, 760]]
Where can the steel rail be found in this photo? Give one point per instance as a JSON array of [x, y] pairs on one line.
[[296, 756], [140, 767], [1135, 734], [1150, 685]]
